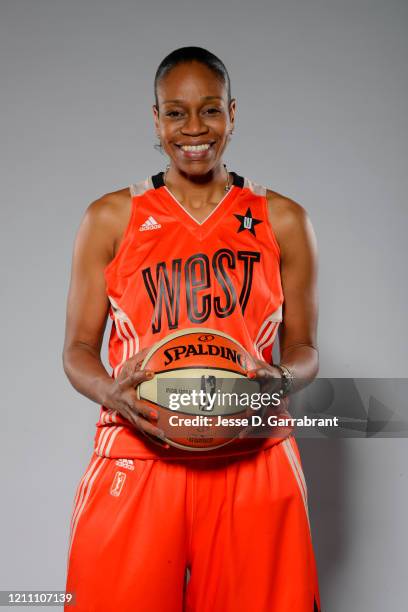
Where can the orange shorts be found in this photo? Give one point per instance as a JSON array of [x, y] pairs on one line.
[[239, 524]]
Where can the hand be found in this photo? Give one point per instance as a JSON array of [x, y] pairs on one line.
[[122, 397], [270, 381], [267, 375]]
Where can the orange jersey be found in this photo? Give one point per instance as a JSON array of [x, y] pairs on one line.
[[172, 272], [240, 524]]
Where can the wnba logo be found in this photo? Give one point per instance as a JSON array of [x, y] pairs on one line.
[[208, 388], [117, 484]]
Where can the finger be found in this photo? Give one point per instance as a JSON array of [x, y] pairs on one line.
[[138, 358], [146, 427], [134, 363], [158, 441], [255, 430], [269, 380], [142, 353], [259, 363], [136, 378], [143, 409], [244, 433], [263, 374]]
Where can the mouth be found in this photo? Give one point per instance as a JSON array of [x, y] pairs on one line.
[[195, 151]]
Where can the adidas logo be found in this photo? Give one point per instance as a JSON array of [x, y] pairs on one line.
[[149, 224], [126, 463]]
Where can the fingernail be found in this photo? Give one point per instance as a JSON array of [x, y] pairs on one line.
[[149, 374], [154, 414], [163, 442], [251, 374]]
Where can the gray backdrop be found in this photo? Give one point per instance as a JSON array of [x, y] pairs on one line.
[[321, 88]]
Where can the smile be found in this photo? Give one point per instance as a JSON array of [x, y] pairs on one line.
[[195, 148], [201, 147]]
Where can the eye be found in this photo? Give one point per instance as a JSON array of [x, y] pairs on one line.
[[210, 110], [172, 113]]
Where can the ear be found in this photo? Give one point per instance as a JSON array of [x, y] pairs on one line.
[[232, 109], [156, 117]]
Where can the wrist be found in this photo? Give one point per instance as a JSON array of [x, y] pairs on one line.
[[103, 389], [287, 379]]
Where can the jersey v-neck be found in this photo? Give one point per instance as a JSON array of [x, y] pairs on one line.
[[199, 228]]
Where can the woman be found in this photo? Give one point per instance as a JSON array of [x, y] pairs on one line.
[[195, 245]]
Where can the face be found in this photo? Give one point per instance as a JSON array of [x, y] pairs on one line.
[[193, 120]]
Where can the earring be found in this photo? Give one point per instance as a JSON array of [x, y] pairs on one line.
[[165, 173], [158, 146]]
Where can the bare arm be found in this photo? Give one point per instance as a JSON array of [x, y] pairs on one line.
[[87, 306], [298, 330], [87, 311]]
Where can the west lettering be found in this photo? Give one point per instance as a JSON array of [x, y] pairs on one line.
[[197, 275], [210, 286], [165, 293], [249, 258], [222, 258]]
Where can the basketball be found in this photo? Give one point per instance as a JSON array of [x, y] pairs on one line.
[[200, 376]]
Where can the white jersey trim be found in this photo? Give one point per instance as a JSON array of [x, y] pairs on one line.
[[256, 188], [267, 331], [130, 339], [297, 472], [140, 187], [81, 498]]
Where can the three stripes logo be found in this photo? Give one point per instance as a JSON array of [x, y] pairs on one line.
[[127, 464], [149, 224]]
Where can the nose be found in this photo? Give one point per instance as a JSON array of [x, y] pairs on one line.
[[193, 125]]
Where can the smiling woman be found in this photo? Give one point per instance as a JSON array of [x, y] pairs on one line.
[[195, 245], [194, 119]]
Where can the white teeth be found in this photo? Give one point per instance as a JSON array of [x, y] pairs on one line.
[[202, 147]]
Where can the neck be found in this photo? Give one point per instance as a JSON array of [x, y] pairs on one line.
[[198, 191]]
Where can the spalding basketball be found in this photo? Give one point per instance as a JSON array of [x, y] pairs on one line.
[[200, 380]]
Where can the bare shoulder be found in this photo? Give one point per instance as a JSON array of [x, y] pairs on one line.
[[108, 216], [110, 207], [289, 219], [284, 211]]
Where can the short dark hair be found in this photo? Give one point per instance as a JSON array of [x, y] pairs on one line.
[[184, 55]]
